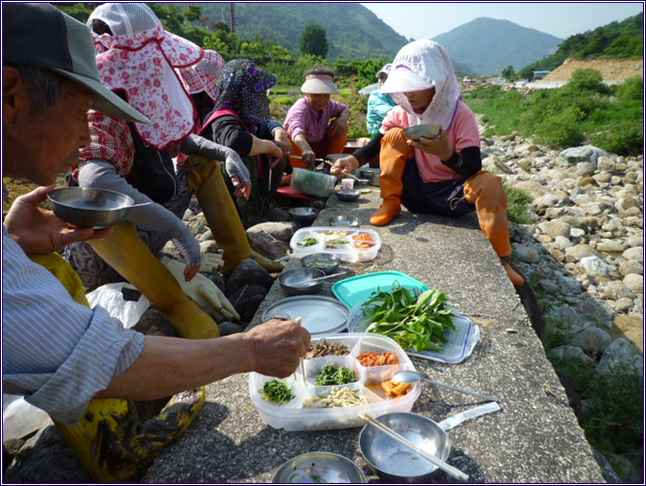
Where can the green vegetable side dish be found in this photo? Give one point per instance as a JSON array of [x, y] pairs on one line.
[[335, 375], [277, 391], [311, 241], [413, 319]]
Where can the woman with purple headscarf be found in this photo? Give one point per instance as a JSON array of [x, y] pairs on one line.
[[241, 121]]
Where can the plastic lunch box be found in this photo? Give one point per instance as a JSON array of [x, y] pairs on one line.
[[349, 244], [291, 416]]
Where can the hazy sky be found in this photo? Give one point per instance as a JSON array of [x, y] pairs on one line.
[[425, 20]]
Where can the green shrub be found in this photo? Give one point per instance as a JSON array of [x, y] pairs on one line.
[[631, 90], [562, 129], [627, 137], [519, 205]]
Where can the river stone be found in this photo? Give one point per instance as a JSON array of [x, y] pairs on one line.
[[594, 266], [580, 251], [634, 282], [570, 355], [635, 253], [592, 340], [622, 356], [630, 326], [629, 266], [616, 290]]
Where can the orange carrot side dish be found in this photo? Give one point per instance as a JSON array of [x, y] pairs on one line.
[[370, 358]]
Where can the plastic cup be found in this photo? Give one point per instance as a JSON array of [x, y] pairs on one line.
[[347, 185]]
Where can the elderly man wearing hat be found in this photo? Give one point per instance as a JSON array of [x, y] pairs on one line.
[[316, 124], [76, 363], [441, 174], [379, 103]]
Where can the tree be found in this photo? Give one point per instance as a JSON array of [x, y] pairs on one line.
[[193, 13], [314, 41], [509, 73]]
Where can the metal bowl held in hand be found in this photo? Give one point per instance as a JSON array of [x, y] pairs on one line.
[[297, 281], [431, 130], [394, 462], [90, 208], [319, 467]]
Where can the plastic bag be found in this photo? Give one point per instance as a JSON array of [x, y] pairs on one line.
[[111, 298], [20, 418]]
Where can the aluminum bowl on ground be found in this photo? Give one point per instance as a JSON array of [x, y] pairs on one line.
[[90, 208], [319, 467], [293, 281], [394, 462], [351, 221], [372, 175], [347, 196], [303, 215], [323, 261]]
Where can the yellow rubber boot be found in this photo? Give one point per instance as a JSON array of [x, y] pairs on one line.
[[206, 181], [115, 445], [113, 442], [392, 160], [64, 272], [124, 251]]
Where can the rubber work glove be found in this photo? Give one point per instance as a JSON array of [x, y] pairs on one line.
[[203, 292], [194, 144], [211, 262]]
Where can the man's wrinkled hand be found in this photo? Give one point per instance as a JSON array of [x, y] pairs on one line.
[[38, 230]]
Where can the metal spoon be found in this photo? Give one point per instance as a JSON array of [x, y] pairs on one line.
[[407, 376]]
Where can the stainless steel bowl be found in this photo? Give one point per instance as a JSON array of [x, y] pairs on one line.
[[430, 130], [394, 462], [319, 467], [323, 261], [293, 281], [88, 207], [347, 196], [351, 221], [303, 215], [372, 174]]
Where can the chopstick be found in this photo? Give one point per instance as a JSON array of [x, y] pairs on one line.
[[304, 282], [447, 468], [351, 176]]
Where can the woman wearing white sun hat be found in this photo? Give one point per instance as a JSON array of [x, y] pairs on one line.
[[316, 124], [441, 175]]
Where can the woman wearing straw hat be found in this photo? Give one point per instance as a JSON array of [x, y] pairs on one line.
[[316, 124]]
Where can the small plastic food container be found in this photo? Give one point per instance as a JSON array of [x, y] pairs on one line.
[[313, 183], [295, 416], [348, 243]]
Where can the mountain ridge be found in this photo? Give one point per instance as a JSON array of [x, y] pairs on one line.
[[490, 45]]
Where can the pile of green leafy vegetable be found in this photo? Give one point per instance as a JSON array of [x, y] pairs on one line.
[[277, 391], [413, 319], [335, 375]]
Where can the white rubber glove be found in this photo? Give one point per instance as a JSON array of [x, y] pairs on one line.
[[203, 292], [211, 262]]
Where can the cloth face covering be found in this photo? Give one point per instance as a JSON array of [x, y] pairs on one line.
[[242, 87], [139, 60], [430, 62]]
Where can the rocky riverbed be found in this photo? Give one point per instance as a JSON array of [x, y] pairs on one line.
[[583, 253]]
